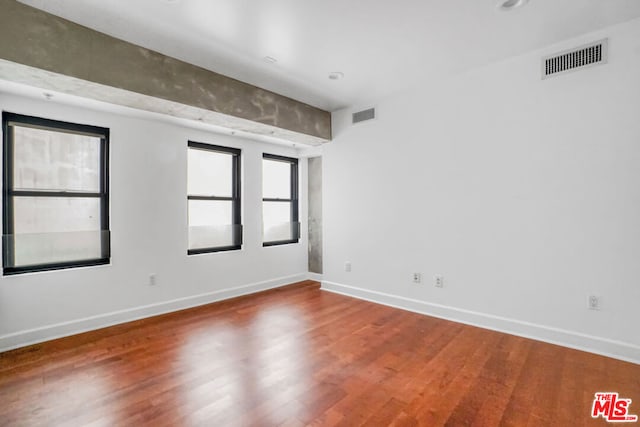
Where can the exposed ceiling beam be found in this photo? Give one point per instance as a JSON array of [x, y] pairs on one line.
[[45, 51]]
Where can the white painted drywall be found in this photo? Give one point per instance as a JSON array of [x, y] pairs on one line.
[[523, 193], [148, 160]]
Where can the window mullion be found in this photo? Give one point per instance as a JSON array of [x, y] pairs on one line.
[[36, 193], [212, 198], [268, 199]]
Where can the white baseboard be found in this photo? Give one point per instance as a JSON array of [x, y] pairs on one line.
[[314, 276], [59, 330], [598, 345]]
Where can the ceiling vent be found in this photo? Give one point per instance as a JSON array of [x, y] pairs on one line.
[[575, 59], [363, 116]]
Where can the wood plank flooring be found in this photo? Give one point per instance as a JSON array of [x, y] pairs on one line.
[[298, 356]]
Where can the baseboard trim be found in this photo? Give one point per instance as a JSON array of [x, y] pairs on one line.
[[73, 327], [314, 276], [579, 341]]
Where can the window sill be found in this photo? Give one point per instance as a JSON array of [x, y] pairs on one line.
[[214, 250], [13, 271], [279, 243]]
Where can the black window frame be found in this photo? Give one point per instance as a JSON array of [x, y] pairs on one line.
[[8, 193], [293, 199], [235, 197]]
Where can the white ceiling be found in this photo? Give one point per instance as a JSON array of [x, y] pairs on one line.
[[381, 46]]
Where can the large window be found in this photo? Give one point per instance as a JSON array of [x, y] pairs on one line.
[[56, 195], [213, 198], [279, 200]]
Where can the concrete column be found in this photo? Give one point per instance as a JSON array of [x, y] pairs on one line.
[[315, 214]]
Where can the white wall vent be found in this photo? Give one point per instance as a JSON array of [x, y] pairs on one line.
[[363, 116], [574, 59]]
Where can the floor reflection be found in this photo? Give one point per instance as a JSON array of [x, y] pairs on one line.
[[248, 371]]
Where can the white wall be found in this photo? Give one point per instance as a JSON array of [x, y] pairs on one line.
[[524, 193], [148, 235]]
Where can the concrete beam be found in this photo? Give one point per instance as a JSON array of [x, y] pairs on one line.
[[52, 53]]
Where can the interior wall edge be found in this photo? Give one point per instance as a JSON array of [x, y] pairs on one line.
[[314, 276], [610, 348]]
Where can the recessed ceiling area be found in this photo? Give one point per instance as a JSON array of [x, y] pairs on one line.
[[379, 47]]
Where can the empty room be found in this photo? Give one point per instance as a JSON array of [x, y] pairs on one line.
[[304, 213]]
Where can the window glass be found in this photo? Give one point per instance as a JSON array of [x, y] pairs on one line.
[[49, 160], [277, 221], [55, 229], [210, 173], [276, 179], [55, 214], [210, 224]]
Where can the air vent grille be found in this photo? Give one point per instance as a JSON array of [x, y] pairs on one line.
[[363, 116], [582, 57]]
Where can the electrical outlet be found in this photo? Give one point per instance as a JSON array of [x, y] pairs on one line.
[[417, 278], [347, 266], [438, 281], [152, 279], [594, 302]]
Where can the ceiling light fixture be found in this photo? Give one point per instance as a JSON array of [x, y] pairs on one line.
[[508, 5], [336, 75]]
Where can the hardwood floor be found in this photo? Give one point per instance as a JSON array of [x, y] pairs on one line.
[[297, 356]]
